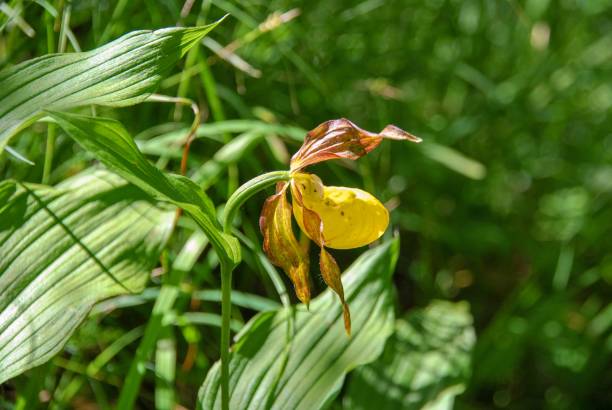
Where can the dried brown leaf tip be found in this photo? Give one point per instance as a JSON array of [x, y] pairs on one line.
[[332, 217]]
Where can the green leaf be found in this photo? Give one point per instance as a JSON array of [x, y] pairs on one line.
[[216, 130], [426, 363], [62, 249], [274, 366], [122, 72], [108, 141]]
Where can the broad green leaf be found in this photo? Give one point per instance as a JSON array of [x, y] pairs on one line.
[[274, 366], [64, 248], [108, 141], [426, 363], [122, 72]]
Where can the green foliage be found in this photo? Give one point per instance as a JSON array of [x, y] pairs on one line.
[[426, 363], [298, 358], [62, 249], [123, 72], [108, 141], [505, 205]]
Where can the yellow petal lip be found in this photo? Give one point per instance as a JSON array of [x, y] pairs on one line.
[[351, 217]]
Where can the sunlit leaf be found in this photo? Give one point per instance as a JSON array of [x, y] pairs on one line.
[[426, 363], [62, 249], [120, 73], [267, 370], [108, 141]]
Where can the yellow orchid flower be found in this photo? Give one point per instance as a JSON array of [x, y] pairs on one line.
[[332, 217]]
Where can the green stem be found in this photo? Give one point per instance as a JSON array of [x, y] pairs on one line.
[[63, 36], [50, 147], [247, 190], [226, 306], [239, 197]]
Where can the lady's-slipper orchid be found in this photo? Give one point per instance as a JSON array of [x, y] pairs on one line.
[[332, 217]]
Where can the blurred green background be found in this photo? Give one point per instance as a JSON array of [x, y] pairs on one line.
[[506, 204]]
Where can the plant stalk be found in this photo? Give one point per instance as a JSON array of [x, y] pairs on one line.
[[226, 306], [238, 198], [246, 191]]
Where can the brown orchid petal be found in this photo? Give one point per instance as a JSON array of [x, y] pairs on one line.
[[280, 244], [331, 275], [304, 190], [342, 139]]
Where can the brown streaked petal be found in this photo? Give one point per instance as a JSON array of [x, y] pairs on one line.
[[332, 277], [342, 139], [305, 189], [280, 244], [307, 219]]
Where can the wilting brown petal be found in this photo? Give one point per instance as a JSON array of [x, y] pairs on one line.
[[342, 139], [280, 244], [312, 225], [331, 276]]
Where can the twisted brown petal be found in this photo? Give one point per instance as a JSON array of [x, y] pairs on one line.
[[312, 224], [280, 244], [342, 139], [331, 275]]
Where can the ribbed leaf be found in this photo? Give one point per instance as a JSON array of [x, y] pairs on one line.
[[272, 366], [426, 363], [108, 141], [120, 73], [62, 249]]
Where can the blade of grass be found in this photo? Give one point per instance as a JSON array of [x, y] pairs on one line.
[[15, 16], [28, 397], [165, 370], [207, 319], [163, 305], [50, 145], [96, 365], [216, 108], [246, 300]]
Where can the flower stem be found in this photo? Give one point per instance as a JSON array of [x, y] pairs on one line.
[[238, 198], [247, 190], [49, 153], [226, 306]]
